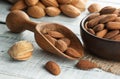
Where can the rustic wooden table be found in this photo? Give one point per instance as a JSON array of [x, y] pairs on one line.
[[34, 68]]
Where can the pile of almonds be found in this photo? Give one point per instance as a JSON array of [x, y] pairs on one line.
[[62, 43], [40, 8], [105, 23]]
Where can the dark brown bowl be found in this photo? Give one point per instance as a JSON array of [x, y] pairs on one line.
[[101, 47]]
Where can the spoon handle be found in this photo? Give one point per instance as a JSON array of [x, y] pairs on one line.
[[29, 25]]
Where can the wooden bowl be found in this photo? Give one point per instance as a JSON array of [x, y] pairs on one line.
[[101, 47]]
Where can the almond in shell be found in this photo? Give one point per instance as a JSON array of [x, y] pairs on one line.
[[53, 67], [80, 4], [52, 11], [39, 4], [70, 10], [31, 2], [64, 1], [49, 3], [36, 12], [19, 5]]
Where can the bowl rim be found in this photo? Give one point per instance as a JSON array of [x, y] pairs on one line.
[[82, 25]]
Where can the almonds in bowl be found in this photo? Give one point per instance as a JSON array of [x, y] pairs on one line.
[[100, 33]]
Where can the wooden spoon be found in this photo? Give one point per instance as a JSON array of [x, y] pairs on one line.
[[18, 21]]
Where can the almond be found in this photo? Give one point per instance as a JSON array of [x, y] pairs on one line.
[[101, 33], [91, 31], [80, 4], [92, 16], [61, 45], [64, 1], [49, 3], [39, 4], [113, 25], [98, 27], [72, 53], [19, 5], [31, 2], [108, 18], [51, 39], [94, 8], [70, 10], [53, 67], [66, 40], [55, 34], [116, 38], [85, 65], [52, 11], [36, 12], [95, 21], [111, 34], [107, 10]]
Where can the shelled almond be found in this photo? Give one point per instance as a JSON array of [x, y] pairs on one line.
[[51, 7], [105, 23]]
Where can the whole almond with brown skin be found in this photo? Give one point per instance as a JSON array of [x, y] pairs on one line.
[[111, 34], [31, 2], [49, 3], [52, 11], [108, 18], [116, 38], [80, 5], [101, 33], [95, 21], [53, 67], [39, 4], [72, 53], [91, 31], [98, 27], [94, 8], [113, 25], [36, 12], [61, 45], [92, 16], [66, 40], [51, 39], [107, 10], [85, 65], [64, 1], [70, 10], [55, 34], [19, 5]]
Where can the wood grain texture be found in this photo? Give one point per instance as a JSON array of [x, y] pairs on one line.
[[33, 68]]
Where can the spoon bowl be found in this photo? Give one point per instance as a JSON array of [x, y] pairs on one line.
[[18, 21]]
